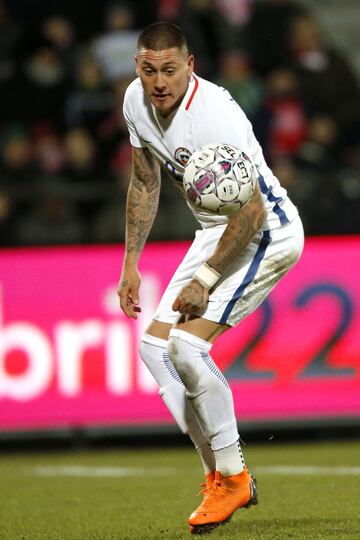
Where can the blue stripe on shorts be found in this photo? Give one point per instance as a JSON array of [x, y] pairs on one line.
[[249, 276], [267, 191]]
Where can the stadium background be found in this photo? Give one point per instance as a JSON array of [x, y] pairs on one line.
[[68, 357], [64, 169], [74, 394]]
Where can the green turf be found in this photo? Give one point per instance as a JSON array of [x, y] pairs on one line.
[[292, 506]]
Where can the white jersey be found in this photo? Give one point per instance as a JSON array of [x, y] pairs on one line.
[[207, 114]]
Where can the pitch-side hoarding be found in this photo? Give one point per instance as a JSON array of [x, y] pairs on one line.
[[68, 356]]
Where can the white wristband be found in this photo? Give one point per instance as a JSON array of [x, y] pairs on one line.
[[207, 276]]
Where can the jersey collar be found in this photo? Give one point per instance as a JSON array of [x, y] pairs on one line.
[[190, 94]]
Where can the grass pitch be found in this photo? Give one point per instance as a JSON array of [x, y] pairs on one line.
[[307, 491]]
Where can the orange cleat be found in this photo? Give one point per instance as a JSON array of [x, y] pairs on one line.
[[225, 495], [206, 486]]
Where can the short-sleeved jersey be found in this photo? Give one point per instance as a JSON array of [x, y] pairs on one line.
[[207, 114]]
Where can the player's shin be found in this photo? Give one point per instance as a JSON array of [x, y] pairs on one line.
[[154, 353], [210, 397]]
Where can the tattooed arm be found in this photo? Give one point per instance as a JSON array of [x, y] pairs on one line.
[[242, 226], [141, 208]]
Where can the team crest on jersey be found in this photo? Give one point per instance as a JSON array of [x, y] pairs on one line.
[[182, 155]]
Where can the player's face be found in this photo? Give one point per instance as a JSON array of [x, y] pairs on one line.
[[165, 76]]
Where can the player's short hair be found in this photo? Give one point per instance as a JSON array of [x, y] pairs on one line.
[[162, 35]]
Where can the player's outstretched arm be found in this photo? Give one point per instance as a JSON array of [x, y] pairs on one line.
[[242, 226], [141, 208]]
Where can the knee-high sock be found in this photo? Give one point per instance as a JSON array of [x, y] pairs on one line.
[[153, 352], [206, 387]]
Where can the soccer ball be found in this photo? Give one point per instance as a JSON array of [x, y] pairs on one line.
[[219, 178]]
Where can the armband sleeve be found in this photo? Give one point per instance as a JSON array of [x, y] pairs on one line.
[[207, 276]]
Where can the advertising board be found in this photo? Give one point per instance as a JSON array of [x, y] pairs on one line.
[[68, 356]]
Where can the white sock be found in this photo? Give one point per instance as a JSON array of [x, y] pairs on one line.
[[206, 387], [207, 457], [230, 460], [154, 353]]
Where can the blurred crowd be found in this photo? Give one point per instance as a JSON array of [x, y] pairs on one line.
[[64, 151]]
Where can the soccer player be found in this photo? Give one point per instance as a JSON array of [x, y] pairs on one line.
[[232, 265]]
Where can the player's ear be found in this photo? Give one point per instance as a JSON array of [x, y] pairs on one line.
[[136, 65], [190, 64]]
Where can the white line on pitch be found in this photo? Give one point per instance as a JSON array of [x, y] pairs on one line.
[[121, 472], [100, 472], [312, 470]]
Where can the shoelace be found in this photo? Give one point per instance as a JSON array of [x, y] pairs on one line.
[[204, 489], [217, 489]]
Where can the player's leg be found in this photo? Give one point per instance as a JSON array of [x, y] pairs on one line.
[[209, 393], [153, 350], [212, 402], [268, 257]]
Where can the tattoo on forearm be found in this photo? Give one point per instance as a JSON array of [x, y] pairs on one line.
[[142, 200], [242, 226], [194, 298]]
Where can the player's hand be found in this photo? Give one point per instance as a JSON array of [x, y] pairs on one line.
[[192, 300], [128, 292]]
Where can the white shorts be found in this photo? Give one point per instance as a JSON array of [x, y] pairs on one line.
[[248, 280]]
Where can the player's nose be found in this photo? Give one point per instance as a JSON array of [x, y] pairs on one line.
[[160, 85]]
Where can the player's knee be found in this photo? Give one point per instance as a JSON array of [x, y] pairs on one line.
[[182, 358], [174, 349]]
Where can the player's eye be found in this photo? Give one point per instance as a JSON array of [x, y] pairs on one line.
[[170, 71], [148, 71]]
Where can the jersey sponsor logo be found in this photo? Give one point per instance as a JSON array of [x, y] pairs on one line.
[[182, 155]]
